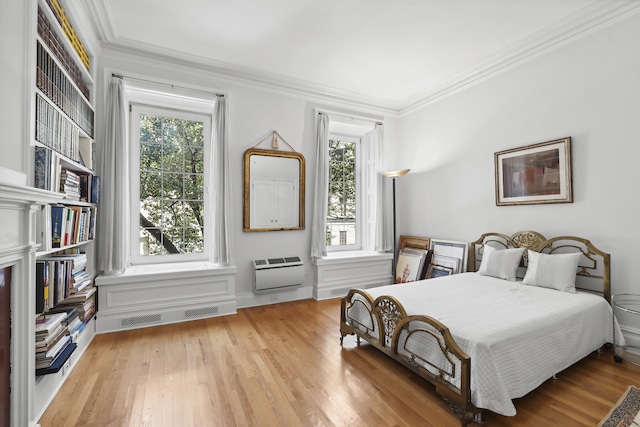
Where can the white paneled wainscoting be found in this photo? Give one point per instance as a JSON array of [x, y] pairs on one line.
[[336, 274], [164, 294]]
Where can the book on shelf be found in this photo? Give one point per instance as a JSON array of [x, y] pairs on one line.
[[89, 186], [70, 184], [42, 168], [58, 221], [55, 130], [95, 190], [71, 325], [68, 277], [70, 32], [64, 225], [51, 39], [85, 186], [76, 299], [83, 301], [50, 341], [44, 228], [46, 164], [48, 322], [68, 226], [42, 286], [55, 85], [59, 361], [45, 360], [75, 328], [43, 339]]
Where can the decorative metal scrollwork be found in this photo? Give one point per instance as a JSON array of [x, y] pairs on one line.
[[390, 315], [527, 239], [464, 416]]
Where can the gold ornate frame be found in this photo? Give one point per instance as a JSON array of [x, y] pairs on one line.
[[246, 181]]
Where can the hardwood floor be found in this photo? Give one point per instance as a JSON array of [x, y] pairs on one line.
[[282, 365]]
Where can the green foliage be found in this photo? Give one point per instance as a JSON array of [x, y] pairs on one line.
[[171, 185], [342, 181], [341, 212]]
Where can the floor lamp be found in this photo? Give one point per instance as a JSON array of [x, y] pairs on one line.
[[393, 175]]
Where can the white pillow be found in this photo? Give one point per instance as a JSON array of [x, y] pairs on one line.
[[500, 263], [557, 271]]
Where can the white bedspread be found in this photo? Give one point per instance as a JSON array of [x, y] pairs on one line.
[[518, 336]]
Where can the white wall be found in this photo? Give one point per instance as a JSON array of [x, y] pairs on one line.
[[253, 113], [589, 90], [17, 26]]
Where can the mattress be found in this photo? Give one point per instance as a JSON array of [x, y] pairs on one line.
[[517, 336]]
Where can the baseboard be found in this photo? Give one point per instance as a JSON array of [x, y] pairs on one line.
[[141, 318]]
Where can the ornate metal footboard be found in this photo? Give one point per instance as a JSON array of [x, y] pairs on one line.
[[421, 343]]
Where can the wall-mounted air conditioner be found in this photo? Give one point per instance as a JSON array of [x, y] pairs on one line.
[[276, 273]]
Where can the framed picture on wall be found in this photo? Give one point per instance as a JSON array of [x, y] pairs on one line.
[[534, 174]]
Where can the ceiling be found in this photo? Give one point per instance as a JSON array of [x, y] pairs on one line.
[[393, 53]]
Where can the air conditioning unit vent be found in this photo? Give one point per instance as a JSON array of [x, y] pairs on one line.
[[276, 273]]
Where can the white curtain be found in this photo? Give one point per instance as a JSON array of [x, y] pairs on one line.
[[384, 208], [221, 203], [113, 216], [321, 190]]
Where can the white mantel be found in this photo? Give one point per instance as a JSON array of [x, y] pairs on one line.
[[17, 249]]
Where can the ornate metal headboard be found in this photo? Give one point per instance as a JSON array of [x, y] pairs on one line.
[[594, 270], [521, 239]]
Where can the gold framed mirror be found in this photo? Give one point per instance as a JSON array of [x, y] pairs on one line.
[[273, 190]]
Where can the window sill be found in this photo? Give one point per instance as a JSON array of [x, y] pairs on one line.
[[342, 257], [151, 271]]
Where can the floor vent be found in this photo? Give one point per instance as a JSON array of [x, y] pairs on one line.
[[141, 320], [200, 312]]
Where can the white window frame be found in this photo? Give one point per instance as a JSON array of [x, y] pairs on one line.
[[177, 107], [360, 213]]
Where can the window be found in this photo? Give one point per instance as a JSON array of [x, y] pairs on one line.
[[343, 225], [170, 158]]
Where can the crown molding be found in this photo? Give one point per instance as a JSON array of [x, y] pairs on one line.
[[587, 21], [251, 77], [593, 17], [101, 15]]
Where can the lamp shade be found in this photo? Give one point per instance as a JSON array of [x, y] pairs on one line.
[[394, 174]]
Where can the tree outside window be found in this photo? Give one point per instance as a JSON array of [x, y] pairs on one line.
[[341, 215], [171, 185]]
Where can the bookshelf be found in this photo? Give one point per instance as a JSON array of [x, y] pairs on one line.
[[63, 166]]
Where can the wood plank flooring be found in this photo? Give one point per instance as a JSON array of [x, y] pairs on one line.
[[282, 365]]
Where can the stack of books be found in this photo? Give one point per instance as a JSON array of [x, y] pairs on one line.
[[70, 184], [74, 324], [62, 279], [84, 302], [52, 339]]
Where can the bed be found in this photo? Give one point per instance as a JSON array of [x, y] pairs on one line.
[[528, 308]]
